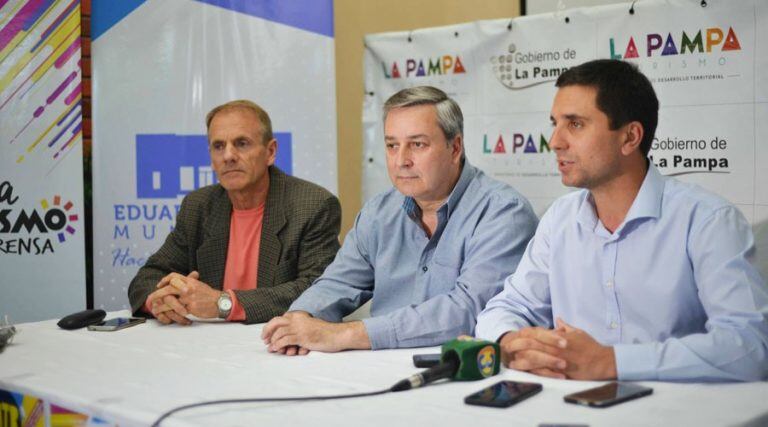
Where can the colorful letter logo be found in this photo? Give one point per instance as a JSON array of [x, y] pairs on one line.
[[486, 360]]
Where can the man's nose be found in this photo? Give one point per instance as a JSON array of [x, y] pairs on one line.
[[557, 142], [229, 152], [404, 157]]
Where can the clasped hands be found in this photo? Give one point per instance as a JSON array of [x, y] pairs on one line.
[[297, 332], [563, 352], [178, 295]]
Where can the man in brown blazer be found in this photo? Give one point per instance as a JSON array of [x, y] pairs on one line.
[[245, 248]]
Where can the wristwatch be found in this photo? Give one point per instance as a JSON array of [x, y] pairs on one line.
[[225, 305]]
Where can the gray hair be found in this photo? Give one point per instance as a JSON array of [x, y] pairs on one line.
[[449, 116], [244, 104]]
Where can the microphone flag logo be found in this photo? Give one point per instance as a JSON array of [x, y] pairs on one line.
[[486, 360]]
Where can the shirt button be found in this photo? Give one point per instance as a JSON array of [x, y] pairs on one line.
[[424, 269], [609, 284], [613, 325]]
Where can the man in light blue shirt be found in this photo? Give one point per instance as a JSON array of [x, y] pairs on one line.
[[430, 252], [638, 276]]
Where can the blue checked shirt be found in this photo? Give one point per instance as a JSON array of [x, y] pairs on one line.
[[672, 289], [425, 290]]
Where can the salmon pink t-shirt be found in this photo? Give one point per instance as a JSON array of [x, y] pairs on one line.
[[242, 266]]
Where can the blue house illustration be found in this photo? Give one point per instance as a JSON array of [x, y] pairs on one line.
[[170, 165]]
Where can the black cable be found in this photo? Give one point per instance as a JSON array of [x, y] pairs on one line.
[[266, 399], [445, 369]]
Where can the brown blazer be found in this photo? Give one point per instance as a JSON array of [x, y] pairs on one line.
[[299, 238]]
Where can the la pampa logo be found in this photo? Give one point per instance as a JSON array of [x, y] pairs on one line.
[[521, 69], [34, 231], [519, 142], [707, 40], [440, 65]]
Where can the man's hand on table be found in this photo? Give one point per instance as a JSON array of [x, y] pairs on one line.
[[296, 333], [563, 352], [178, 295], [586, 359], [164, 303]]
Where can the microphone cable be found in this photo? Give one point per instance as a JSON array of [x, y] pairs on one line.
[[441, 371], [267, 399]]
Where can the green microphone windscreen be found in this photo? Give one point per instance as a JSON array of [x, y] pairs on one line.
[[477, 358]]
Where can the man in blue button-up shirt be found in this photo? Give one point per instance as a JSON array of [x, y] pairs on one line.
[[638, 276], [430, 252]]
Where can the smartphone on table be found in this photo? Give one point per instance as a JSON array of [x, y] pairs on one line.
[[426, 360], [608, 395], [117, 323], [503, 394]]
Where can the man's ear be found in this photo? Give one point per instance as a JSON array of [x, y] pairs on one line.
[[272, 150], [457, 147], [632, 138]]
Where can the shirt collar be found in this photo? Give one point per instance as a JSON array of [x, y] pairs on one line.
[[468, 172], [647, 203], [586, 214]]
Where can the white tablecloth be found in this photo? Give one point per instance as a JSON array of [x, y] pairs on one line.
[[132, 376]]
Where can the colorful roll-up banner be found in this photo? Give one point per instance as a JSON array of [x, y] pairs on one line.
[[20, 409], [709, 66], [158, 68], [42, 246]]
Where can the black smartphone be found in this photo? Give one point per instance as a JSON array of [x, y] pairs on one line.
[[426, 360], [116, 324], [503, 394], [608, 394]]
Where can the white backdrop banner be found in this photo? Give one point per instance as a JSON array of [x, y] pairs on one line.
[[42, 245], [709, 66], [158, 67]]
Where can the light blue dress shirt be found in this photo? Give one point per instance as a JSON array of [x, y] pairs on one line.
[[672, 289], [425, 290]]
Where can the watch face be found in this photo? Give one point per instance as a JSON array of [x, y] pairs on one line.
[[225, 304]]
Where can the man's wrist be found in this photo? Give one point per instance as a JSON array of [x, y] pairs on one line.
[[354, 336], [380, 331], [224, 305], [609, 364], [298, 313], [510, 335]]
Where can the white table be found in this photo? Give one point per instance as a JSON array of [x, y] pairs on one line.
[[132, 376]]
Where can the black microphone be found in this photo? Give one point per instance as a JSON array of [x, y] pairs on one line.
[[444, 369], [463, 358], [82, 319]]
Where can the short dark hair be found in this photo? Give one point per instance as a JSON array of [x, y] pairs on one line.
[[624, 94]]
